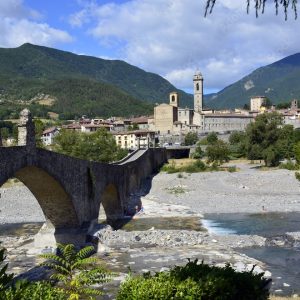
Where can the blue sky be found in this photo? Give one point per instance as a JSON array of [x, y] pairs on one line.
[[168, 37]]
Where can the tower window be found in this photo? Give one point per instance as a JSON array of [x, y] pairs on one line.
[[197, 86], [173, 98]]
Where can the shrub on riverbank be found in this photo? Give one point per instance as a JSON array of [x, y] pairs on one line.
[[33, 291], [196, 281], [192, 167], [289, 165]]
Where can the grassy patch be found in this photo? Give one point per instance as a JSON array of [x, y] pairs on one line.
[[187, 166], [232, 169], [177, 189], [11, 183]]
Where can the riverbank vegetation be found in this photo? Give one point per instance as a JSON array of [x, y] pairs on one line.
[[77, 275], [196, 281]]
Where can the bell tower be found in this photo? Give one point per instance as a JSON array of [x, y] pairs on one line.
[[198, 92], [174, 99]]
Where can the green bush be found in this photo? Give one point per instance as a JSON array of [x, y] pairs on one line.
[[289, 165], [196, 281], [33, 291], [232, 169], [297, 175], [200, 165], [199, 153], [169, 168], [5, 279]]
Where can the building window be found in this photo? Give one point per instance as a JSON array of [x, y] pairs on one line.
[[173, 98], [197, 86]]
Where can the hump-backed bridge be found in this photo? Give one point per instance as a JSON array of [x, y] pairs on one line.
[[70, 190]]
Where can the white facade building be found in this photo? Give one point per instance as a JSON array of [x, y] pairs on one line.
[[48, 135], [135, 139]]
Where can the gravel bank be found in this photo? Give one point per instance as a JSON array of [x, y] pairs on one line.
[[249, 190], [18, 205], [175, 238]]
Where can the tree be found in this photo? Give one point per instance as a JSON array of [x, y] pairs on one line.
[[268, 103], [286, 142], [217, 152], [212, 138], [246, 106], [297, 152], [98, 146], [283, 105], [271, 156], [191, 139], [76, 270], [260, 6], [39, 128], [261, 134], [237, 144], [199, 153]]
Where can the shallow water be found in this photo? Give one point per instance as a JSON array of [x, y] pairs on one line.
[[169, 223], [282, 262], [264, 224], [19, 229]]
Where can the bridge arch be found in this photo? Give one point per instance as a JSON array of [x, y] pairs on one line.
[[111, 203], [54, 201]]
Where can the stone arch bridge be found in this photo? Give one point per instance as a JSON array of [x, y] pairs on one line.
[[70, 190]]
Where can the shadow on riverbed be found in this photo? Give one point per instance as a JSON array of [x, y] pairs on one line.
[[133, 208]]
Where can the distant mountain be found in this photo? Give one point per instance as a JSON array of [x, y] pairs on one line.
[[280, 82], [78, 84]]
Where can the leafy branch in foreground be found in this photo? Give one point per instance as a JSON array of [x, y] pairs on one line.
[[76, 271], [260, 5], [5, 279]]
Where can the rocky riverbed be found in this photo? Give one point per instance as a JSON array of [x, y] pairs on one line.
[[168, 230]]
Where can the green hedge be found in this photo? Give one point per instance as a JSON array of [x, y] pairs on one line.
[[196, 281]]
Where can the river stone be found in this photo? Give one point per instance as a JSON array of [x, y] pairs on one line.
[[137, 238]]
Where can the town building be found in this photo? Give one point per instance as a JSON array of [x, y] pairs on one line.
[[135, 139], [48, 135], [141, 122], [257, 102], [172, 119]]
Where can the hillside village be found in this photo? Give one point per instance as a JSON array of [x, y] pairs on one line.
[[170, 122]]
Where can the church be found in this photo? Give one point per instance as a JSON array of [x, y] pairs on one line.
[[171, 118]]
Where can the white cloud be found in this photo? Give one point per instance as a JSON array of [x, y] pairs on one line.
[[20, 24], [172, 38]]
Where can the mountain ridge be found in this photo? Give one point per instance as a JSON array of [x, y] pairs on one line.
[[42, 66], [279, 81]]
